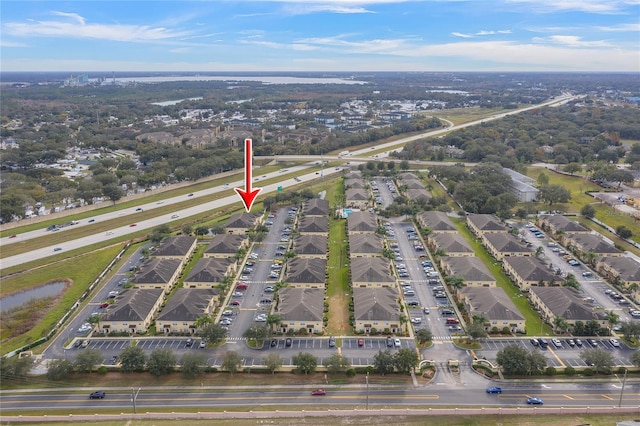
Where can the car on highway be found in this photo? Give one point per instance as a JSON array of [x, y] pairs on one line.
[[190, 195], [133, 224], [174, 216], [109, 233], [494, 389], [139, 209], [57, 249], [318, 392], [97, 395], [534, 401]]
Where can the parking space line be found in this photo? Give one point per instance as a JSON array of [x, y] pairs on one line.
[[556, 356]]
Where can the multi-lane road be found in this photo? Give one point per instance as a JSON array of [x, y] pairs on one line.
[[128, 216]]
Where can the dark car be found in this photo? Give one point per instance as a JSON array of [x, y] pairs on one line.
[[274, 342], [534, 401], [97, 395], [494, 389], [288, 341], [189, 343], [332, 342], [534, 342], [389, 342], [318, 392]]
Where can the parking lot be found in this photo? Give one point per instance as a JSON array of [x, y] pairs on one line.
[[563, 356]]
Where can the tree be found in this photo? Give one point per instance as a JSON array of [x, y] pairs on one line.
[[383, 362], [202, 230], [273, 361], [560, 324], [476, 331], [405, 360], [192, 365], [543, 179], [133, 359], [161, 361], [59, 369], [635, 358], [588, 211], [630, 329], [599, 359], [11, 207], [516, 360], [336, 363], [572, 168], [305, 362], [571, 281], [213, 333], [613, 318], [202, 322], [257, 332], [14, 368], [624, 232], [187, 230], [113, 192], [404, 165], [232, 362], [87, 359], [554, 194], [424, 335]]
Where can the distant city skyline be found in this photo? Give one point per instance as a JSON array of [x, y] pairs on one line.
[[315, 35]]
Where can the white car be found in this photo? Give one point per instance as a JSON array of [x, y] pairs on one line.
[[416, 320], [261, 319], [85, 327], [614, 343], [174, 216]]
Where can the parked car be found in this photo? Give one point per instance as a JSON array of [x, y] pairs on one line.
[[494, 389], [534, 401], [360, 342], [578, 343], [203, 344], [397, 343], [288, 341], [332, 341], [318, 392], [189, 342], [97, 395], [389, 342], [614, 343]]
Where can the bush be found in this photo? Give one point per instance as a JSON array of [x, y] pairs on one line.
[[351, 372], [102, 370], [550, 371], [569, 371], [587, 372]]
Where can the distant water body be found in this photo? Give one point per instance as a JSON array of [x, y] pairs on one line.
[[232, 78]]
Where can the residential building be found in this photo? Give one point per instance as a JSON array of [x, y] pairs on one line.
[[376, 310], [362, 223], [371, 272], [495, 306], [132, 312], [529, 271], [481, 224], [436, 222], [365, 245], [184, 307], [309, 246], [470, 269], [311, 272], [226, 245], [314, 225], [240, 223], [301, 308], [210, 272], [158, 273], [504, 244], [451, 244], [563, 302]]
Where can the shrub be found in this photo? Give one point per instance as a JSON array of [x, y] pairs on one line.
[[550, 371], [351, 372], [588, 372], [102, 370], [569, 371]]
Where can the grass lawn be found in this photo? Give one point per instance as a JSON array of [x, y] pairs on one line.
[[81, 277], [578, 187], [534, 324]]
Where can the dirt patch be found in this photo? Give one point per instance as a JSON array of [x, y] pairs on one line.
[[338, 317]]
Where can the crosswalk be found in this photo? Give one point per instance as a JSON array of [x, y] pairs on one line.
[[238, 339], [441, 338]]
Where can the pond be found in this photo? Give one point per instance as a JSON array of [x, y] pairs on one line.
[[47, 290]]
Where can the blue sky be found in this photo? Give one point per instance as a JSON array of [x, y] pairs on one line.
[[328, 35]]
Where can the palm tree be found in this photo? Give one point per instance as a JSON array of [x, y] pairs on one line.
[[613, 318], [561, 324], [478, 319], [202, 321]]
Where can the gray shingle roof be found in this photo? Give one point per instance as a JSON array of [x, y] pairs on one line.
[[133, 305], [371, 269], [493, 303], [208, 270], [157, 271], [306, 271], [310, 244], [175, 246], [187, 304], [375, 304], [301, 304]]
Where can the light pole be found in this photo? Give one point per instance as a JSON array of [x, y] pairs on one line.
[[134, 395], [624, 380], [367, 378]]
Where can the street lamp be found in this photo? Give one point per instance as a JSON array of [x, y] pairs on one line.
[[134, 395], [367, 378], [624, 381]]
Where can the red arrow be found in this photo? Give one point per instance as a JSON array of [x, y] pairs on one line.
[[248, 196]]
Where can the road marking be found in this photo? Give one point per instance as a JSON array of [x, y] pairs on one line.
[[568, 397], [607, 397], [556, 356]]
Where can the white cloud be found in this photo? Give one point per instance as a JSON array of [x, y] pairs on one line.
[[588, 6], [78, 28], [571, 41], [634, 27], [457, 34]]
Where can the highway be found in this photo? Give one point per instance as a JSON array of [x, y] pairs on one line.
[[128, 216], [553, 395]]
